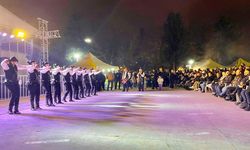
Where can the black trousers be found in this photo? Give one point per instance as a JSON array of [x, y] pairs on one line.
[[98, 86], [68, 91], [57, 95], [103, 85], [80, 85], [126, 86], [110, 85], [88, 89], [76, 90], [34, 89], [94, 88], [118, 84], [48, 93], [154, 84], [141, 86], [14, 89]]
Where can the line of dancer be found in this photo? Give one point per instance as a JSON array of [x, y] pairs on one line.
[[79, 83]]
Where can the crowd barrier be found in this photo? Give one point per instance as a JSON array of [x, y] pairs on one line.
[[23, 80]]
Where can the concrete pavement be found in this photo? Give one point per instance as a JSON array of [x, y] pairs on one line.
[[129, 121]]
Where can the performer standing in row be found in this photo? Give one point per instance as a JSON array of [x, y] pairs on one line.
[[126, 79], [140, 79], [87, 82], [34, 85], [57, 84], [10, 69], [46, 83], [74, 82], [94, 81], [80, 82], [67, 83]]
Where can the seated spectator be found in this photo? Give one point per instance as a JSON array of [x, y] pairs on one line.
[[233, 88], [245, 91]]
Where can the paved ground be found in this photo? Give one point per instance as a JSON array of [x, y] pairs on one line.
[[129, 121]]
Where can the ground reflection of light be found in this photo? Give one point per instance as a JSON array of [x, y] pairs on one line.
[[110, 106], [151, 95], [132, 94]]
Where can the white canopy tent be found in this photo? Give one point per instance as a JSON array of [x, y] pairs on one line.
[[9, 22]]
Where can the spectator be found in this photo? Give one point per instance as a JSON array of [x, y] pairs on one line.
[[160, 81], [110, 78]]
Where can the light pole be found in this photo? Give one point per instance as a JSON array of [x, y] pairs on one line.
[[88, 40]]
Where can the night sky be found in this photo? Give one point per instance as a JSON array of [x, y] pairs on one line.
[[155, 11], [105, 16]]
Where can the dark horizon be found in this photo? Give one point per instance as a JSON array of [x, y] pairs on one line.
[[125, 19]]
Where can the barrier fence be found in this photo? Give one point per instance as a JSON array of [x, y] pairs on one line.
[[23, 80]]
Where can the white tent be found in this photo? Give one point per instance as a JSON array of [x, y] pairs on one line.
[[9, 22], [91, 61]]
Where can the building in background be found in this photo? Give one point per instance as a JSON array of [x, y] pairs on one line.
[[17, 38]]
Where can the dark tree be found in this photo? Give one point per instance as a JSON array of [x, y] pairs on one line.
[[173, 40], [197, 37], [225, 33]]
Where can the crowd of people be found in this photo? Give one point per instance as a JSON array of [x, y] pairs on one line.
[[154, 79], [231, 84]]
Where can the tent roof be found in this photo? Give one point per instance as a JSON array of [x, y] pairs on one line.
[[91, 61], [240, 61], [208, 64], [10, 21]]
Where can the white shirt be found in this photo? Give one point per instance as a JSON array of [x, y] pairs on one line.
[[5, 65], [79, 72], [44, 70], [84, 72], [96, 72], [160, 80], [65, 71], [142, 74], [55, 70], [29, 68]]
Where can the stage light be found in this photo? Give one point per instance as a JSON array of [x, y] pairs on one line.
[[12, 36], [77, 56], [74, 55], [4, 34], [22, 40], [20, 34], [191, 62], [88, 40]]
